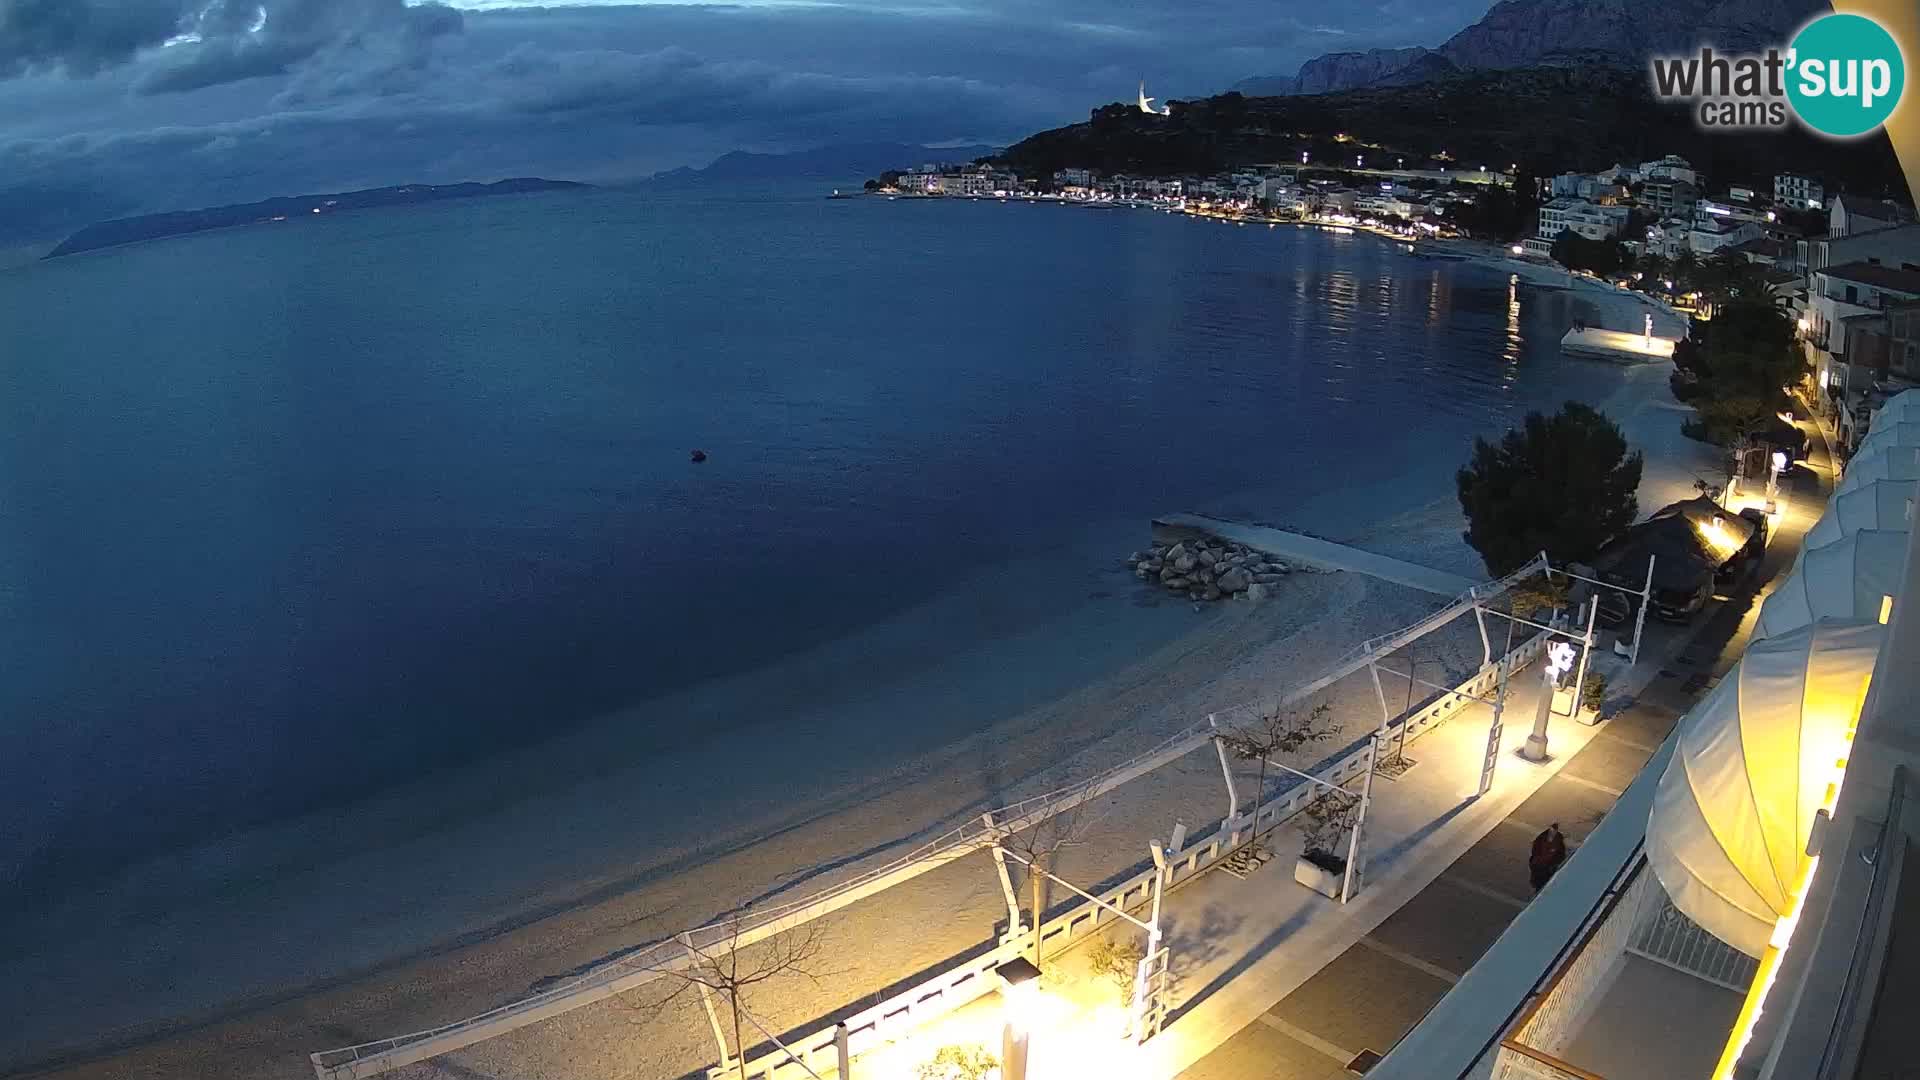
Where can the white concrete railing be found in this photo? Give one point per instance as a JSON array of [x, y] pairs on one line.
[[658, 959], [973, 978], [1549, 1024]]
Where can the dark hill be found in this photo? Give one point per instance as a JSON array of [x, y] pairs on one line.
[[1547, 120], [181, 222], [1534, 33], [841, 161]]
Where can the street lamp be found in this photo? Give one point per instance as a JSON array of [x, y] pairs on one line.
[[1559, 662], [1518, 250], [1773, 476], [1019, 993]]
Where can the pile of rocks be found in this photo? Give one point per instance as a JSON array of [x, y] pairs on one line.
[[1209, 569]]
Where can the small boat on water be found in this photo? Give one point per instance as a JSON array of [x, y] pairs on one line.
[[838, 194]]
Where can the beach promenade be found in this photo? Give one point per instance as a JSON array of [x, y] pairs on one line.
[[1314, 1025]]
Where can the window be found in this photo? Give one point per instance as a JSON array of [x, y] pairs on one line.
[[1853, 295]]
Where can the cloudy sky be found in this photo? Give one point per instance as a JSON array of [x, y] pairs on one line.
[[124, 106]]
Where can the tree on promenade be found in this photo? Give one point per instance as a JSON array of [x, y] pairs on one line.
[[1062, 820], [1279, 731], [1563, 484], [732, 970], [1746, 351]]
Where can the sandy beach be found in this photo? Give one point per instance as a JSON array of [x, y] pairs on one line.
[[461, 892]]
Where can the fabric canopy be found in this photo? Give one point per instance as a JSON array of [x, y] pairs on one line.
[[1884, 463], [1880, 504], [1846, 579], [1728, 833], [1890, 433], [1902, 406]]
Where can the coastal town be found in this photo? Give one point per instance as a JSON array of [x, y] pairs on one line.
[[1846, 267]]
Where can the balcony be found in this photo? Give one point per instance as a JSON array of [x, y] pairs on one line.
[[1644, 993]]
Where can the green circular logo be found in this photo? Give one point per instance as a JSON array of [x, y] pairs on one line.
[[1845, 75]]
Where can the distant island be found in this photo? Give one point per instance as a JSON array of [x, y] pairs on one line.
[[133, 230]]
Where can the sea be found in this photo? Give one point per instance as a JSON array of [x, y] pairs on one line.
[[296, 513]]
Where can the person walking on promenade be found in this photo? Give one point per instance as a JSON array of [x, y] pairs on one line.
[[1549, 851]]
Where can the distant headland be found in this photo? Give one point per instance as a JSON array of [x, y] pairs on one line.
[[133, 230]]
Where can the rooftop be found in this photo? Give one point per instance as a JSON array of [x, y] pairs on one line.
[[1891, 278]]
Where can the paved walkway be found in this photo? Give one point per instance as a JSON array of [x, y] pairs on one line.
[[1376, 990], [1325, 554]]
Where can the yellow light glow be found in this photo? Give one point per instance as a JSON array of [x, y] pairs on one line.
[[1763, 978], [1886, 609], [1782, 935]]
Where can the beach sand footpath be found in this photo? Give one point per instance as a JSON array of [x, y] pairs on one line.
[[489, 881], [451, 897]]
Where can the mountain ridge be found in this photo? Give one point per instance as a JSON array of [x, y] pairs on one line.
[[842, 161], [133, 230], [1532, 33]]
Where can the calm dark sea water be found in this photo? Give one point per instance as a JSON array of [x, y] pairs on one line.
[[290, 512]]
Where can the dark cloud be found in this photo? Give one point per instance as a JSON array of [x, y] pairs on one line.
[[249, 39], [261, 97], [191, 44], [82, 36]]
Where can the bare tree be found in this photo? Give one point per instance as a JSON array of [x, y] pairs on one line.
[[1063, 822], [1278, 731], [732, 970], [1326, 821]]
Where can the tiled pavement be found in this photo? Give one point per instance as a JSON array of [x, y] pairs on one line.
[[1377, 990]]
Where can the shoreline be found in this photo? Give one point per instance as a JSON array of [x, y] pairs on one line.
[[589, 863]]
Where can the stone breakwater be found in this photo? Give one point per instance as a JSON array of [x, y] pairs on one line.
[[1208, 569]]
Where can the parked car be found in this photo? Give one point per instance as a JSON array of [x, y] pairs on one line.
[[1747, 559], [1679, 605]]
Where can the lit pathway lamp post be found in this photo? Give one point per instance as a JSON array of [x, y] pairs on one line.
[[1559, 661], [1779, 465], [1019, 987]]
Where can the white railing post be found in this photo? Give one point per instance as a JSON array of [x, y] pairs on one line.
[[1006, 883], [1640, 619], [1347, 882], [1495, 729], [1233, 793], [1586, 653], [1480, 620]]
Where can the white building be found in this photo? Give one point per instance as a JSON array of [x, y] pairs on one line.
[[1708, 233], [1850, 215], [1671, 167], [1668, 238], [1839, 294], [1799, 192], [1582, 217]]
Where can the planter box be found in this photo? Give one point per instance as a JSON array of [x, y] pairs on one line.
[[1314, 872], [1563, 701]]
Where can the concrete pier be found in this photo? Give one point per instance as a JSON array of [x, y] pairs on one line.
[[1312, 552]]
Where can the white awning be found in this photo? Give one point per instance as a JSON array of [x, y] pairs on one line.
[[1879, 504], [1904, 405], [1886, 463], [1849, 578], [1890, 433], [1728, 833]]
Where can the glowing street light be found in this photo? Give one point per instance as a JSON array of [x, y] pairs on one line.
[[1518, 250], [1019, 992], [1559, 661]]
